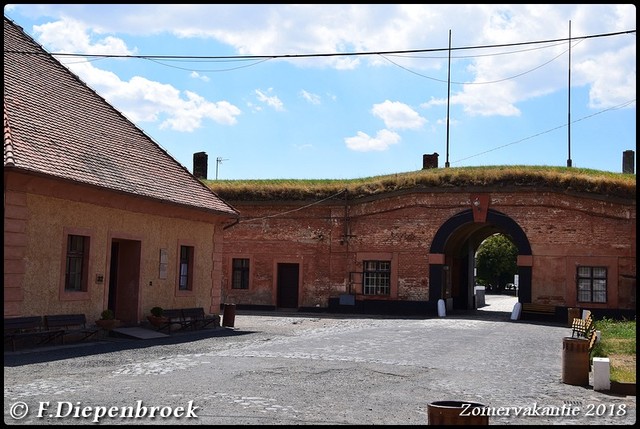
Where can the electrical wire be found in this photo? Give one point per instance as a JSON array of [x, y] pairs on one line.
[[294, 210], [619, 106]]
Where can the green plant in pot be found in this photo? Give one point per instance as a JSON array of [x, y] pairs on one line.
[[108, 320], [156, 318], [107, 315]]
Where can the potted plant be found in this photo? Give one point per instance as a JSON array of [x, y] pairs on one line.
[[108, 320], [156, 317]]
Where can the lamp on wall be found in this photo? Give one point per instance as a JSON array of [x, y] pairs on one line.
[[476, 203]]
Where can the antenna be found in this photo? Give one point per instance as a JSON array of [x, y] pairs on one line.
[[218, 162]]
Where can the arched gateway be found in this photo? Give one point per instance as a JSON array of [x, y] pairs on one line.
[[452, 253]]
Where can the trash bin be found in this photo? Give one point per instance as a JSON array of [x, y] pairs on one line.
[[572, 313], [229, 315], [575, 361], [459, 413]]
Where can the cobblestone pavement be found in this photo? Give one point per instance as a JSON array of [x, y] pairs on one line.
[[312, 369]]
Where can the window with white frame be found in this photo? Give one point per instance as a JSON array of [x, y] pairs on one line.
[[376, 277], [592, 284]]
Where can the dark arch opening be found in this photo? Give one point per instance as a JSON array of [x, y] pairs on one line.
[[457, 237]]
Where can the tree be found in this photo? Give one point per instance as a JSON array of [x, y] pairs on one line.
[[496, 261]]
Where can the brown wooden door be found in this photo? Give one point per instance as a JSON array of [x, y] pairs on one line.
[[288, 285]]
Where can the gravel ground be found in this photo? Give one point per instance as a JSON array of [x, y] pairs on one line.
[[312, 369]]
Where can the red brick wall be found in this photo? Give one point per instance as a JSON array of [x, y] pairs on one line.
[[563, 231]]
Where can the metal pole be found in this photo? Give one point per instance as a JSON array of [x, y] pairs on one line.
[[569, 102], [446, 164]]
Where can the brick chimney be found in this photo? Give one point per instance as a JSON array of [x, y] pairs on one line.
[[200, 161], [430, 161], [627, 162]]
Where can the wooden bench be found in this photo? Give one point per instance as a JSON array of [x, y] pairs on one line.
[[74, 325], [196, 319], [582, 327], [593, 339], [538, 309], [173, 318], [29, 328]]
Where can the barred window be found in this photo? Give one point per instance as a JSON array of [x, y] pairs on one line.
[[376, 277], [592, 284], [186, 268], [240, 275], [76, 276]]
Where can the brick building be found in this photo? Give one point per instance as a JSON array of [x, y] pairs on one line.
[[401, 251], [96, 215]]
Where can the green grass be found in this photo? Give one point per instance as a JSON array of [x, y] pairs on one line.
[[562, 178], [618, 343]]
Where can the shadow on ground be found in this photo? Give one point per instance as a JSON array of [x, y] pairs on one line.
[[108, 345]]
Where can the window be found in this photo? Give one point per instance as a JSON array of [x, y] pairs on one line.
[[76, 271], [186, 268], [376, 277], [240, 275], [592, 284]]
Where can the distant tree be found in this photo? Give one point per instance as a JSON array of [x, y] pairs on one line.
[[496, 262]]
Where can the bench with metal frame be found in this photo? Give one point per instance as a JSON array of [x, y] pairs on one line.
[[173, 317], [195, 318], [28, 328], [74, 325]]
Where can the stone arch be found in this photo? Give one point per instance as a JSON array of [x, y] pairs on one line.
[[451, 250]]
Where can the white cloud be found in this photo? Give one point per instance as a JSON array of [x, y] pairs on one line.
[[272, 101], [140, 99], [197, 75], [311, 98], [605, 65], [397, 115], [72, 36], [364, 143]]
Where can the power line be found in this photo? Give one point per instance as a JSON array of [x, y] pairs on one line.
[[335, 54], [619, 106]]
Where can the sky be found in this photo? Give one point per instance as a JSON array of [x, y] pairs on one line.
[[282, 91]]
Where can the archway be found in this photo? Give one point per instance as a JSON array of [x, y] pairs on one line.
[[451, 274]]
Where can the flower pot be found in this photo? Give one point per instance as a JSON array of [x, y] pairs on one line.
[[157, 321], [108, 324]]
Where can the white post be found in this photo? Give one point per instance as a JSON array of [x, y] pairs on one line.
[[515, 314], [601, 377]]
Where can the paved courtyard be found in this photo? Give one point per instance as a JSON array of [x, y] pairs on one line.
[[312, 369]]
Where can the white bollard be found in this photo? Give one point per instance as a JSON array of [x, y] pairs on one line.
[[601, 377], [515, 314], [441, 308]]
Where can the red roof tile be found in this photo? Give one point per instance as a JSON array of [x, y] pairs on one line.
[[54, 124]]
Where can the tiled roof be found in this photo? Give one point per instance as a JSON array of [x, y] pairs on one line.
[[54, 124]]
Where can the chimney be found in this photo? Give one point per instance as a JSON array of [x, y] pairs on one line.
[[430, 161], [200, 165], [627, 162]]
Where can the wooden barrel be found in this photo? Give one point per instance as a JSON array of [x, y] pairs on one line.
[[229, 315], [575, 361], [459, 413]]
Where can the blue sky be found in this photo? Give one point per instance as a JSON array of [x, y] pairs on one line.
[[356, 116]]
